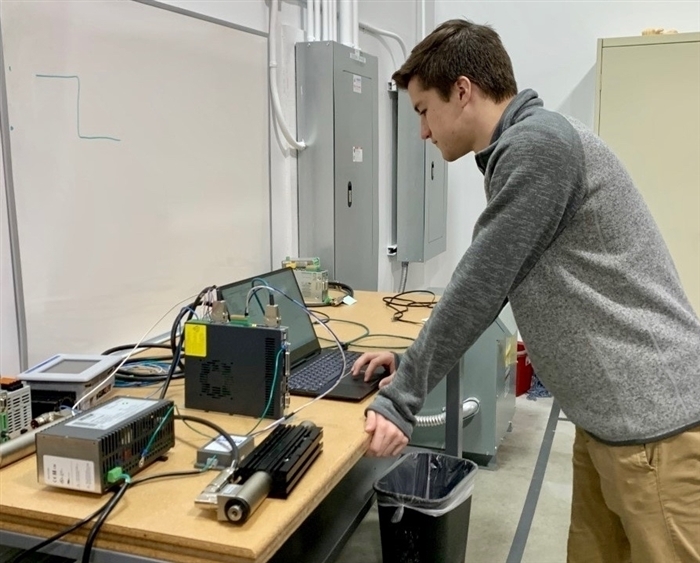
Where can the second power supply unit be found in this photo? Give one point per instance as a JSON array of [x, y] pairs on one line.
[[236, 369]]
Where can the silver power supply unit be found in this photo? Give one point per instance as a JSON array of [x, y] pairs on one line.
[[313, 285], [125, 432], [312, 280]]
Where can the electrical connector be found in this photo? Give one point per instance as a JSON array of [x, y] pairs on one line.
[[272, 316], [115, 474]]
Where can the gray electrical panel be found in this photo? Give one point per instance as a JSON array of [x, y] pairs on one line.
[[337, 118], [487, 372], [421, 189]]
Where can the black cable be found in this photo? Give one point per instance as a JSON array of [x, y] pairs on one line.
[[173, 367], [164, 475], [92, 536], [126, 378], [400, 305], [121, 347], [225, 435], [59, 535], [143, 359], [175, 329], [176, 346], [20, 556], [342, 287]]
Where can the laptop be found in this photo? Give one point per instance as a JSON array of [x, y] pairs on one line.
[[314, 369]]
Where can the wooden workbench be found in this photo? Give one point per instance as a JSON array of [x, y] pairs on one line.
[[159, 518]]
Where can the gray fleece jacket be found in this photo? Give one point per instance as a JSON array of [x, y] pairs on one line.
[[567, 239]]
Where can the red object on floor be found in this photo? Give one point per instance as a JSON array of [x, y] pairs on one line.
[[523, 372]]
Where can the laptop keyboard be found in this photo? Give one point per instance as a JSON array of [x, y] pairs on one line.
[[315, 375]]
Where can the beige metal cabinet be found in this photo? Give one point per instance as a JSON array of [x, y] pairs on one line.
[[648, 111]]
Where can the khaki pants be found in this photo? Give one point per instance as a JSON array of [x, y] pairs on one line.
[[638, 504]]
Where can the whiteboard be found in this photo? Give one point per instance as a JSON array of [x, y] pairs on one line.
[[139, 141]]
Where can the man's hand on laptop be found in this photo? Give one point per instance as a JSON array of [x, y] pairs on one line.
[[371, 361], [387, 439]]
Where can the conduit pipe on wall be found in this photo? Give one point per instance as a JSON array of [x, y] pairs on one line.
[[355, 28], [310, 31], [317, 19], [377, 31], [274, 94], [325, 18], [346, 22], [334, 20]]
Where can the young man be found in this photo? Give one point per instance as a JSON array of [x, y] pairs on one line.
[[568, 240]]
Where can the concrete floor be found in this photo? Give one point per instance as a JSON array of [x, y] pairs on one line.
[[499, 498]]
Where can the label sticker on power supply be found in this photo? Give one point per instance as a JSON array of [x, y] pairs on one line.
[[357, 154], [106, 416], [196, 338], [69, 473]]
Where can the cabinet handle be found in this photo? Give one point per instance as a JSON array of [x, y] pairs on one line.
[[349, 194], [432, 170]]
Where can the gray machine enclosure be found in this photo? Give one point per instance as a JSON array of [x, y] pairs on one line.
[[487, 372], [421, 189], [337, 112]]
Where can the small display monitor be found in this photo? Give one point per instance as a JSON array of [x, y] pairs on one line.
[[70, 368]]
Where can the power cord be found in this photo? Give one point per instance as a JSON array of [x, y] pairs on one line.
[[177, 346], [272, 391], [34, 549], [400, 305], [109, 507], [104, 510]]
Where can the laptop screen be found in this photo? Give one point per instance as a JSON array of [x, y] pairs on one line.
[[302, 337]]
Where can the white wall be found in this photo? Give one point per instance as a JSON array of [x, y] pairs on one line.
[[553, 48], [402, 17]]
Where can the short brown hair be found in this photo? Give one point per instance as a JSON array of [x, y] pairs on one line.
[[460, 48]]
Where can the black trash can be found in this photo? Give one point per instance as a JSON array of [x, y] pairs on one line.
[[424, 503]]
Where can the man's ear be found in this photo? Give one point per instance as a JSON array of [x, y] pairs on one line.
[[464, 89]]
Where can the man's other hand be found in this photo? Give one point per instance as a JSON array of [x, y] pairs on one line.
[[387, 439], [373, 360]]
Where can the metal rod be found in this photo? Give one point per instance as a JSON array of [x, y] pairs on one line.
[[20, 312]]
